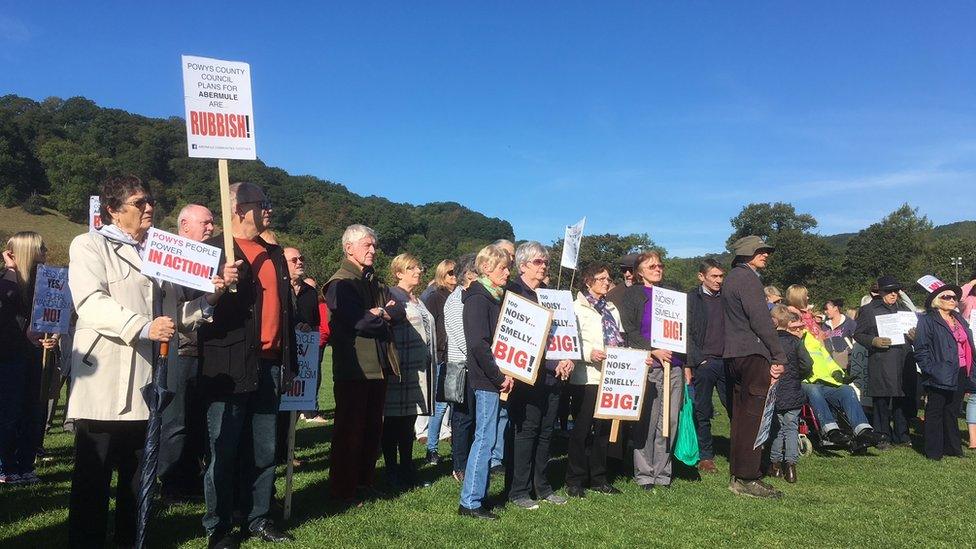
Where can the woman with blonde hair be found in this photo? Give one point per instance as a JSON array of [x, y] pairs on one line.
[[21, 412], [445, 280], [410, 394], [798, 300]]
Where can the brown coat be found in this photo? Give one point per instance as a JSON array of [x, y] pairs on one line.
[[749, 328]]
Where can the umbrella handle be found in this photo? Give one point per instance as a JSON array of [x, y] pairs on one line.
[[164, 348]]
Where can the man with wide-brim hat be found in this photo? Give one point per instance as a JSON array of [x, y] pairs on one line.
[[755, 359], [892, 377]]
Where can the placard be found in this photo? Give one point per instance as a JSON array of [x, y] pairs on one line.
[[930, 283], [51, 310], [972, 319], [219, 114], [766, 423], [891, 326], [571, 244], [908, 320], [301, 396], [94, 213], [622, 381], [564, 338], [669, 320], [180, 260], [520, 337]]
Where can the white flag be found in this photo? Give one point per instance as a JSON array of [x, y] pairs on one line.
[[571, 244]]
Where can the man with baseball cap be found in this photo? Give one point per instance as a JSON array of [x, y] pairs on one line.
[[755, 360]]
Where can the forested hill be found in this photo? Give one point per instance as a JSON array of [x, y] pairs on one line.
[[54, 153]]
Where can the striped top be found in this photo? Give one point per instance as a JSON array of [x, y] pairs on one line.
[[457, 349]]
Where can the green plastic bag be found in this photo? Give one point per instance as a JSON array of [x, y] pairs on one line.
[[686, 446]]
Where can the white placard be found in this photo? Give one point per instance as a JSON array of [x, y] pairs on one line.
[[972, 319], [180, 260], [301, 396], [219, 114], [94, 213], [669, 320], [520, 337], [622, 382], [908, 320], [571, 244], [891, 326], [564, 339], [51, 310], [930, 283]]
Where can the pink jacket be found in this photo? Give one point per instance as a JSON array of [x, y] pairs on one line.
[[968, 302]]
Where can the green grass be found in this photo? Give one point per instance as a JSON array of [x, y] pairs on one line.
[[57, 230], [891, 499]]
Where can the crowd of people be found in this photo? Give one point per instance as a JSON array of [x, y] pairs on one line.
[[412, 363]]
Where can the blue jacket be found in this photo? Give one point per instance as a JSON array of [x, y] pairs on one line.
[[936, 352]]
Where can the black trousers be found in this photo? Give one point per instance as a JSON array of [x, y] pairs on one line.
[[942, 420], [569, 404], [183, 433], [462, 431], [532, 411], [708, 377], [591, 435], [397, 442], [890, 418], [749, 378], [102, 447]]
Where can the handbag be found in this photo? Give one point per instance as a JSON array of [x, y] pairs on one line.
[[686, 445], [455, 382]]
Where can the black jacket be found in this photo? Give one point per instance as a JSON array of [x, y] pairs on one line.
[[549, 366], [435, 304], [937, 353], [887, 368], [697, 325], [229, 346], [481, 312], [799, 366], [307, 306]]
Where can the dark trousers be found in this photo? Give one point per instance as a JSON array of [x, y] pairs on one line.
[[749, 377], [591, 436], [183, 432], [462, 431], [241, 429], [889, 417], [707, 377], [942, 420], [397, 442], [569, 404], [532, 411], [357, 435], [102, 447], [21, 415]]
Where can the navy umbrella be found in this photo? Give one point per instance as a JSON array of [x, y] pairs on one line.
[[157, 396]]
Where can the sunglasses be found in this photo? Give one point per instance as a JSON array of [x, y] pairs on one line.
[[296, 259], [450, 273], [265, 204], [142, 202], [539, 261], [948, 297], [656, 266]]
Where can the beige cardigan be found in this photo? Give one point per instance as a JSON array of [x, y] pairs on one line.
[[110, 364], [591, 332]]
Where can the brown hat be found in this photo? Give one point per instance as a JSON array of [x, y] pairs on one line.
[[748, 246]]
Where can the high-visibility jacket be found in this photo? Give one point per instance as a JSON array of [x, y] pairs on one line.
[[825, 368]]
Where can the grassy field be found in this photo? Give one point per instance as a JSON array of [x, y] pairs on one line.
[[891, 499], [57, 230]]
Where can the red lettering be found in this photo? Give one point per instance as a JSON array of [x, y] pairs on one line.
[[194, 123], [155, 256], [607, 400], [211, 124], [221, 131]]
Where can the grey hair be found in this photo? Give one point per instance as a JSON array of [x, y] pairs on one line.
[[465, 264], [242, 188], [185, 212], [355, 233], [503, 242], [528, 251]]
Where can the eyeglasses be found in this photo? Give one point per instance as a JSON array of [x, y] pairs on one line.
[[296, 259], [601, 279], [264, 204], [539, 261], [142, 202], [656, 266], [948, 297]]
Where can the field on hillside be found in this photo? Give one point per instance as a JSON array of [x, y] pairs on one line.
[[56, 230], [890, 499]]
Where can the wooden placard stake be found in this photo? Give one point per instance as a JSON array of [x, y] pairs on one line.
[[226, 215], [666, 402], [614, 430], [290, 467]]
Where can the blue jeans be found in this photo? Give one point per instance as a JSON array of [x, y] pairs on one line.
[[436, 418], [821, 396], [476, 474], [498, 450], [785, 446], [242, 429], [21, 415], [971, 409]]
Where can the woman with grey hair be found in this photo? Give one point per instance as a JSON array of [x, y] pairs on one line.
[[532, 409]]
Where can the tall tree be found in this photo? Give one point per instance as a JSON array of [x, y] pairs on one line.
[[767, 220], [895, 246]]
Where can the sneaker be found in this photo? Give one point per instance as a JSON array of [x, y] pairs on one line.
[[479, 513], [838, 438], [555, 499], [497, 470], [433, 458], [526, 503], [868, 437], [316, 419], [753, 488], [458, 476]]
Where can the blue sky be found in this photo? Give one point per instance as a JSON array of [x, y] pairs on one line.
[[663, 118]]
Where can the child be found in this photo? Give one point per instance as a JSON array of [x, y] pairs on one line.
[[784, 449]]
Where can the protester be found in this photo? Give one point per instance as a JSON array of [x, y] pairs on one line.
[[798, 300], [183, 432], [626, 266], [784, 449], [410, 392], [247, 359], [122, 314], [532, 408], [462, 413], [755, 358], [21, 410], [890, 368], [967, 301], [599, 326], [361, 315], [501, 438], [482, 306], [706, 367], [652, 451], [838, 331], [944, 351], [445, 280], [306, 305], [323, 341], [773, 296]]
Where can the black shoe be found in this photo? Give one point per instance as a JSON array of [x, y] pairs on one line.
[[838, 438], [868, 437], [269, 532], [575, 492], [647, 487], [497, 470], [433, 458], [605, 489], [226, 541], [479, 513]]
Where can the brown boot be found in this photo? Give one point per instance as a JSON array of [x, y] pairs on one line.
[[790, 473], [707, 466], [775, 470]]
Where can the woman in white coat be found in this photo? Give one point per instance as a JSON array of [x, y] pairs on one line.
[[599, 325], [122, 316]]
